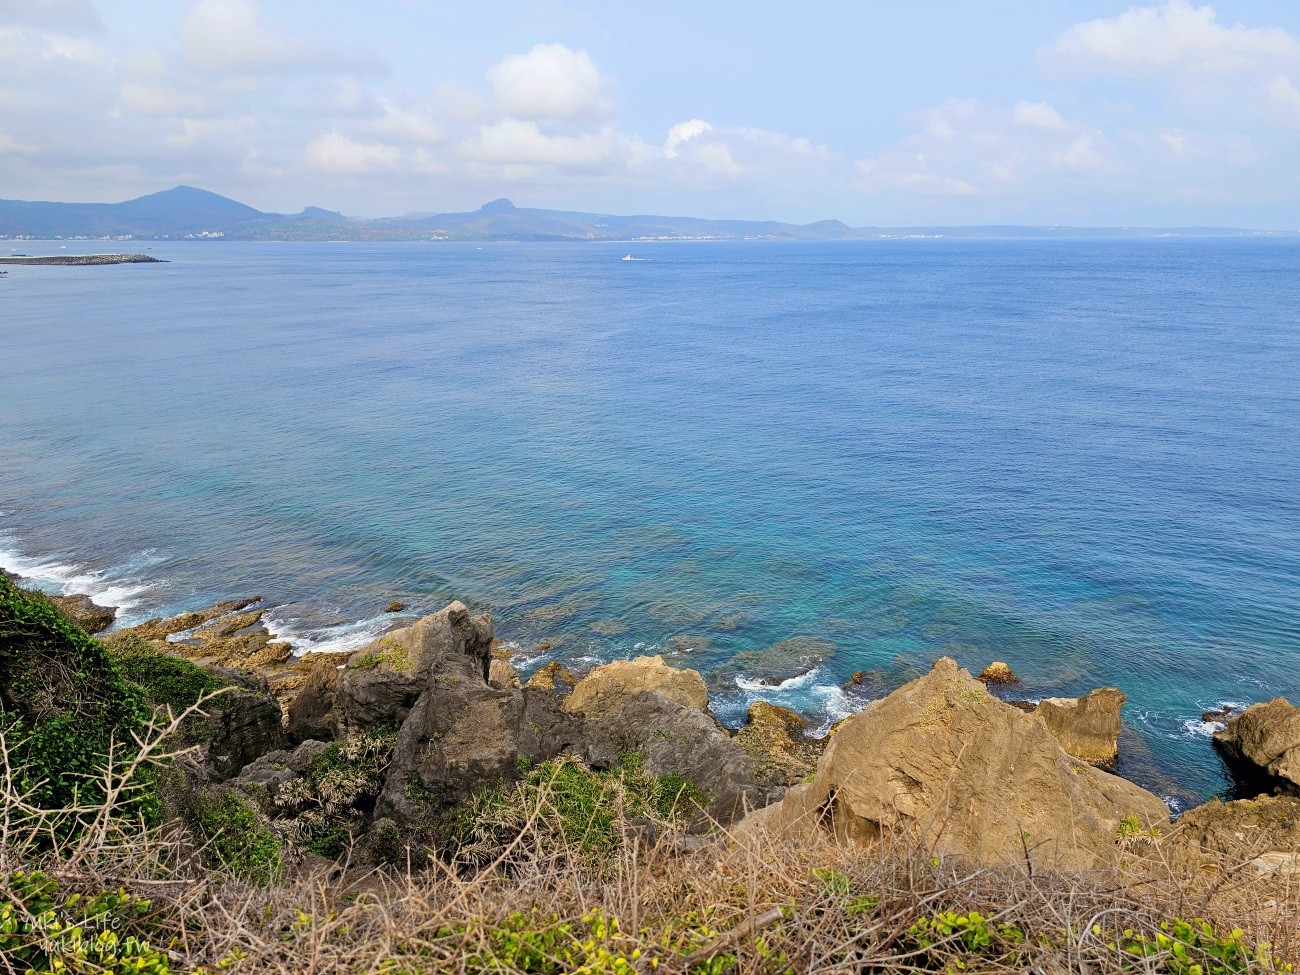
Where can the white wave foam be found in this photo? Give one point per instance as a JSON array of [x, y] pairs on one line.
[[1199, 728], [803, 694], [119, 586], [341, 638]]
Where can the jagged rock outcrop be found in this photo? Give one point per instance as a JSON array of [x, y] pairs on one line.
[[246, 727], [460, 734], [1087, 727], [85, 612], [661, 713], [1262, 745], [775, 738], [945, 764], [1263, 832], [998, 672]]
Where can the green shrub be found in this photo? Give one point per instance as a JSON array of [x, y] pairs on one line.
[[1195, 948], [43, 931], [581, 807], [234, 836], [166, 681], [63, 701]]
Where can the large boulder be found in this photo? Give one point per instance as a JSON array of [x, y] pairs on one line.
[[310, 713], [382, 681], [606, 687], [945, 764], [661, 713], [1087, 727], [461, 734], [1262, 744]]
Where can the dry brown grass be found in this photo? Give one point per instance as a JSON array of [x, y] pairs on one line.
[[767, 904]]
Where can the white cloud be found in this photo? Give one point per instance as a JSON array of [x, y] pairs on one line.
[[229, 36], [405, 126], [1282, 91], [683, 132], [161, 100], [966, 148], [1080, 154], [519, 141], [336, 153], [25, 46], [549, 82], [716, 157], [1176, 36], [1039, 115], [10, 146], [766, 138]]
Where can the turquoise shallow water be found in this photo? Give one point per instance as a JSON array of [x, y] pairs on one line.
[[1079, 457]]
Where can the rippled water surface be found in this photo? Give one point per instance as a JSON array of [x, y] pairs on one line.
[[1079, 457]]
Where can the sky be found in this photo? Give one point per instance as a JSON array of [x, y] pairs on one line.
[[907, 112]]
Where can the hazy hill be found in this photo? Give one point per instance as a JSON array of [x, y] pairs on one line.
[[189, 212]]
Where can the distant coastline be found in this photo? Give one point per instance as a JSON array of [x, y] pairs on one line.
[[187, 213]]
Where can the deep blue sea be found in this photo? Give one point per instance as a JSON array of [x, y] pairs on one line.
[[1080, 457]]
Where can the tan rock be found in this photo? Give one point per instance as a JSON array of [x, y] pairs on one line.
[[945, 764], [1087, 727], [774, 737], [998, 673], [1264, 740], [85, 612], [600, 690], [554, 676], [1264, 831], [160, 629], [502, 674]]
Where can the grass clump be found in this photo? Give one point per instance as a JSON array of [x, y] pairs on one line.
[[321, 811], [581, 808]]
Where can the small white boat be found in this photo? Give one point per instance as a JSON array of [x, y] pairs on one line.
[[629, 257]]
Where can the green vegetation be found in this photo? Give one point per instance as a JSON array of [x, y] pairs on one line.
[[393, 653], [324, 807], [234, 836], [1195, 948], [580, 807], [64, 701], [166, 681], [44, 931]]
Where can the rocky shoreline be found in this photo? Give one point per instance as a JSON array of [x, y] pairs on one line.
[[940, 760]]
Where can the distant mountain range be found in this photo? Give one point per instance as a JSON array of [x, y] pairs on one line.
[[186, 212]]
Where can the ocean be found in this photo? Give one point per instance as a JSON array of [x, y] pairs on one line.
[[1079, 457]]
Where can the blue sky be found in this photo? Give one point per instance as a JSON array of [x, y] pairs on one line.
[[932, 111]]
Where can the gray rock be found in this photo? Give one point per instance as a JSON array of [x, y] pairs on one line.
[[247, 727]]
